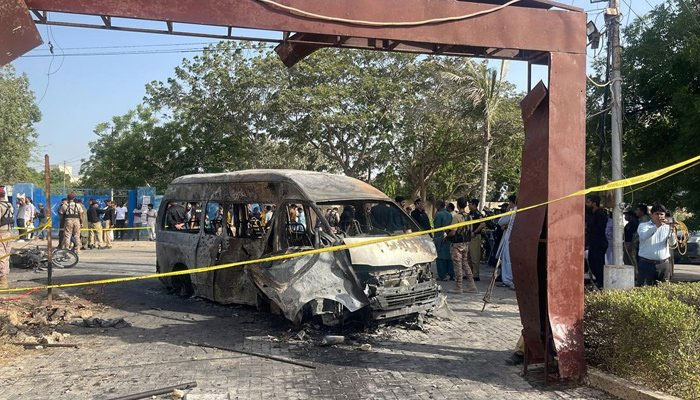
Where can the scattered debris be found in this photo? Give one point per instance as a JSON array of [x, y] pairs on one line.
[[41, 346], [93, 322], [301, 335], [250, 353], [330, 340], [177, 394], [157, 392], [30, 324], [365, 347]]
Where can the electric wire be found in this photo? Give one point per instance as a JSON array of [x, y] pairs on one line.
[[308, 14]]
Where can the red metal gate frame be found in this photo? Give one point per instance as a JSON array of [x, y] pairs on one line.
[[537, 31]]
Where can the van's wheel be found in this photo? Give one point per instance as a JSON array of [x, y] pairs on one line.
[[181, 284]]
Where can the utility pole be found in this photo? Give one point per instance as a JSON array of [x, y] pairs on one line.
[[64, 177], [612, 17]]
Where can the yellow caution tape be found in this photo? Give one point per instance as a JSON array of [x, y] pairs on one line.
[[611, 185], [19, 228], [14, 237]]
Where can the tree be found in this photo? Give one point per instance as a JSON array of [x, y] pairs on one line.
[[18, 114], [344, 104], [482, 88], [429, 131], [662, 102]]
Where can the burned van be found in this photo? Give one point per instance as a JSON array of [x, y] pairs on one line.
[[211, 219]]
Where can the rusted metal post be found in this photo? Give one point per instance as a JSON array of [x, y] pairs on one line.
[[47, 183]]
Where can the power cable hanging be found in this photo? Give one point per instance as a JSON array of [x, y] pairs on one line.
[[308, 14]]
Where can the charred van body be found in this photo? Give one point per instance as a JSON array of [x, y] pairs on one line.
[[211, 219]]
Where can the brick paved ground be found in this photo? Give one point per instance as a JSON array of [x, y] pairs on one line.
[[457, 359]]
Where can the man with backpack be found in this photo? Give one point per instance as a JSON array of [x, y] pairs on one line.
[[459, 250], [6, 221]]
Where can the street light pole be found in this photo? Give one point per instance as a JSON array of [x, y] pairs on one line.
[[612, 16]]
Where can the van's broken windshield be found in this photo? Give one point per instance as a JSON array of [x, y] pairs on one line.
[[354, 218]]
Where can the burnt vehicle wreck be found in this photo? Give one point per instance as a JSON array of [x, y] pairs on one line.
[[211, 219]]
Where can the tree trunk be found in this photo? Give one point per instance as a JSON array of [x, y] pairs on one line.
[[485, 164]]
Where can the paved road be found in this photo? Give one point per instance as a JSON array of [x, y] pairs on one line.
[[461, 358]]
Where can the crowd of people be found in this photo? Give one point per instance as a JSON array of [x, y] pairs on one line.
[[461, 251], [648, 239], [82, 227]]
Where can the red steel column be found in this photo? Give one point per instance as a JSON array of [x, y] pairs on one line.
[[566, 219]]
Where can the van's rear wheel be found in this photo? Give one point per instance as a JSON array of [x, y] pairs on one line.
[[181, 285]]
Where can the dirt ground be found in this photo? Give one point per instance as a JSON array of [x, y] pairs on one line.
[[134, 336]]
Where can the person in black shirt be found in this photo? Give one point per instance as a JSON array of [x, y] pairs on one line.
[[595, 237], [175, 217], [631, 239], [420, 216], [475, 243], [95, 225], [109, 217]]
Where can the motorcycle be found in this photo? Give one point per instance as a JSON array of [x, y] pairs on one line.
[[38, 260]]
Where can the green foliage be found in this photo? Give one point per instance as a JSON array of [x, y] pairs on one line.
[[386, 118], [18, 114], [660, 69], [56, 177], [650, 335]]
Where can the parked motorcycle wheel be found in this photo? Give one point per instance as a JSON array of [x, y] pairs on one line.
[[64, 258]]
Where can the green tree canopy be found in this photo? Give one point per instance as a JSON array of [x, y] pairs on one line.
[[385, 118], [661, 89], [18, 115]]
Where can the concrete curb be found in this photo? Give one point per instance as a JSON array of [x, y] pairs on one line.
[[622, 388]]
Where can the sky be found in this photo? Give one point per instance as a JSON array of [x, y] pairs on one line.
[[75, 93]]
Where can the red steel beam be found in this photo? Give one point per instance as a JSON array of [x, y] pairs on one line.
[[509, 28], [18, 34], [565, 219]]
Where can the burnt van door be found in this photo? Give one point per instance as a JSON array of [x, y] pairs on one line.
[[308, 279], [176, 248], [209, 248]]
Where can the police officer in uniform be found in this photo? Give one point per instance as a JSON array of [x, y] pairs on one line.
[[6, 219], [71, 213]]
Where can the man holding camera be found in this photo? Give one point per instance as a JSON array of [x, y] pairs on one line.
[[655, 237]]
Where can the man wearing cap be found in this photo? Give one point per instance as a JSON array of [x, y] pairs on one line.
[[6, 219], [71, 214]]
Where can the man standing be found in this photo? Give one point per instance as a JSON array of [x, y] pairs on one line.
[[152, 214], [120, 221], [6, 220], [139, 221], [630, 240], [29, 216], [444, 266], [43, 215], [108, 217], [506, 223], [95, 233], [21, 222], [460, 248], [475, 243], [83, 224], [420, 216], [655, 237], [595, 237], [70, 211]]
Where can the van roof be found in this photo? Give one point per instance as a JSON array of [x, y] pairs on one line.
[[317, 186]]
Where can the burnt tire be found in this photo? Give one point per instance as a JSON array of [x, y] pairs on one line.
[[64, 258], [181, 285]]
